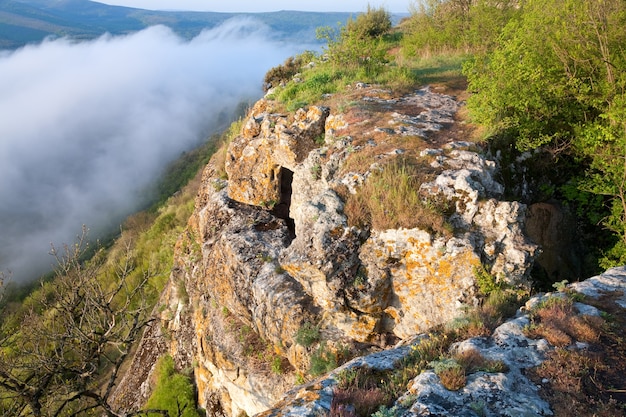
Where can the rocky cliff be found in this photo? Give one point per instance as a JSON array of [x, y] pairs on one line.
[[271, 274]]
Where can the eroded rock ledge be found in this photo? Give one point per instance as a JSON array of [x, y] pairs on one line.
[[508, 393], [271, 247]]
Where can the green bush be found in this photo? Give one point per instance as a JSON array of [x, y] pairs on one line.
[[323, 360], [307, 334], [174, 392], [486, 282], [372, 24]]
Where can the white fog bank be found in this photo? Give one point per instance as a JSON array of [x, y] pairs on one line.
[[86, 127]]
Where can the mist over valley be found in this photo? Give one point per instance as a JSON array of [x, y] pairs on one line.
[[88, 126]]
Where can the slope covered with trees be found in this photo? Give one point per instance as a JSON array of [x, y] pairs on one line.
[[30, 21]]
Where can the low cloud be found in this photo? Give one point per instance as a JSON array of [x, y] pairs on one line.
[[87, 126]]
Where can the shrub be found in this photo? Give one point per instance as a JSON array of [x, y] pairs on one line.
[[323, 360], [473, 361], [372, 24], [356, 402], [487, 283], [556, 321], [282, 74], [453, 379], [363, 390], [307, 334]]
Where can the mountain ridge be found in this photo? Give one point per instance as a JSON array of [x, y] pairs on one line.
[[30, 21]]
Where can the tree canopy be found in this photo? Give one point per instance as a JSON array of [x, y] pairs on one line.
[[556, 80]]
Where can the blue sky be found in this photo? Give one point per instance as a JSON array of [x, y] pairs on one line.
[[395, 6]]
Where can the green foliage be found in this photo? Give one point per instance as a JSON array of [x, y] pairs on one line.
[[560, 286], [355, 52], [359, 45], [307, 334], [346, 49], [487, 283], [347, 377], [277, 365], [323, 360], [374, 23], [552, 70], [316, 82], [385, 411], [442, 365], [556, 80], [445, 26], [174, 391]]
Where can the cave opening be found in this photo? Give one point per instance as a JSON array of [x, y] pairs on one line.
[[281, 210]]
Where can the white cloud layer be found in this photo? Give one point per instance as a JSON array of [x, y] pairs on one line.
[[86, 127]]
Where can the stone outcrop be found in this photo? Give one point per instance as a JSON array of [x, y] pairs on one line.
[[269, 250], [507, 393], [269, 145]]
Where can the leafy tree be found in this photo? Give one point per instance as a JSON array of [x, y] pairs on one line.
[[557, 81], [360, 43], [62, 354], [437, 26]]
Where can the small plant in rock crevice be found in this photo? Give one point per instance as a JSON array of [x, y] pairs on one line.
[[323, 360], [307, 334], [316, 171]]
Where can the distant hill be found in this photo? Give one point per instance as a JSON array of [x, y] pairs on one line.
[[30, 21]]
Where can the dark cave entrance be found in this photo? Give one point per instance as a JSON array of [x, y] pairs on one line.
[[281, 210]]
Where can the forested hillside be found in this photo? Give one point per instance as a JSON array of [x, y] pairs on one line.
[[30, 21], [544, 86]]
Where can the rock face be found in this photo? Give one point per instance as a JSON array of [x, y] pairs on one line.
[[269, 251], [507, 393], [269, 145]]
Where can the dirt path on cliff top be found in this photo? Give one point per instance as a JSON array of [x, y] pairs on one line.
[[405, 121]]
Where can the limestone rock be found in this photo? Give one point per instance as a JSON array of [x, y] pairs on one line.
[[436, 272], [498, 394], [496, 228], [269, 144], [613, 280], [270, 249]]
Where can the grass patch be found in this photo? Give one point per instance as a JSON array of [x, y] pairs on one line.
[[390, 199], [323, 360], [174, 392], [558, 323], [360, 392], [307, 334], [587, 381], [445, 70]]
